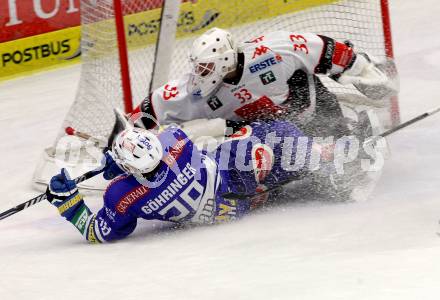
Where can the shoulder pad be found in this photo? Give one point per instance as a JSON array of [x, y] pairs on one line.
[[174, 90], [172, 103]]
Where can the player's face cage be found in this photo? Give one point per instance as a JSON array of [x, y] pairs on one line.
[[204, 69]]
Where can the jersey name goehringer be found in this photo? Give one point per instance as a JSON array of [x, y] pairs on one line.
[[261, 65], [175, 188]]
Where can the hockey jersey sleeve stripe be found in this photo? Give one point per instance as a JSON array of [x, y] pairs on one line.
[[335, 58], [325, 62], [89, 232], [98, 232]]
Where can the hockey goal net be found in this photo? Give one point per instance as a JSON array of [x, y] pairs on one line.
[[129, 47]]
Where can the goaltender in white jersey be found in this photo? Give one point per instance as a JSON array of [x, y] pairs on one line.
[[270, 76]]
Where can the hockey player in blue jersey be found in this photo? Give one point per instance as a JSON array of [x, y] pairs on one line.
[[165, 177]]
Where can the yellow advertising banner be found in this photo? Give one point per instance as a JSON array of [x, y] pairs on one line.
[[39, 52]]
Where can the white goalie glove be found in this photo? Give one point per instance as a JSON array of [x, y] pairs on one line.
[[375, 79], [364, 71]]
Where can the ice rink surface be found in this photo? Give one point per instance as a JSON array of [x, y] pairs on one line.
[[383, 248]]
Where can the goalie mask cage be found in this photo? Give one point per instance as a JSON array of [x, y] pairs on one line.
[[129, 47]]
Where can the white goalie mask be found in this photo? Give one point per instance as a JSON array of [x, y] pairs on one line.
[[212, 56], [137, 151]]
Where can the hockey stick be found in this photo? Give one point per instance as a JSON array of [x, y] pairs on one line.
[[84, 136], [368, 141], [43, 196], [403, 125]]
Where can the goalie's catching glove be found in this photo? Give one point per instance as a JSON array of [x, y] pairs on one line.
[[63, 194], [363, 71]]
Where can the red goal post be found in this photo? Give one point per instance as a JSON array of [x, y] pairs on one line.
[[389, 52]]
